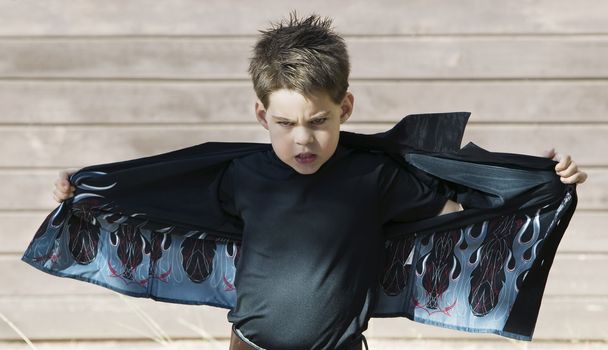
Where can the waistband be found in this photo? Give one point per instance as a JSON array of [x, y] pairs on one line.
[[238, 341]]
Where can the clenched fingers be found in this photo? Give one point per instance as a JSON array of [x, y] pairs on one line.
[[578, 177], [60, 196], [564, 161], [569, 171]]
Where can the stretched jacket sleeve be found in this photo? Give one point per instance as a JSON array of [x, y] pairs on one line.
[[161, 227], [226, 195], [483, 269], [404, 196]]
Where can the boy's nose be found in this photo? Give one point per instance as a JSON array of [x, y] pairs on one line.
[[303, 136]]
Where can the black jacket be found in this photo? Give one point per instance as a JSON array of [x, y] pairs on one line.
[[153, 227]]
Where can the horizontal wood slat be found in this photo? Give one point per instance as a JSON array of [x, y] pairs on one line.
[[388, 17], [561, 319], [98, 102], [586, 232], [112, 317], [378, 58]]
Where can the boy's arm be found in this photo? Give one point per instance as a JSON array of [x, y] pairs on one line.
[[404, 196], [450, 207], [226, 192], [566, 168]]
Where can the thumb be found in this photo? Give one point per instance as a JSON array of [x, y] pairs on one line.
[[550, 153]]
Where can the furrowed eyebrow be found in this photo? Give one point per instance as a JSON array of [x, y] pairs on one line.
[[321, 115]]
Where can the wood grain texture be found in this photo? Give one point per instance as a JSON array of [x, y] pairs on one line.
[[357, 17], [371, 58], [111, 316]]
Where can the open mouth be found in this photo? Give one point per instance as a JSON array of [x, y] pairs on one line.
[[306, 157]]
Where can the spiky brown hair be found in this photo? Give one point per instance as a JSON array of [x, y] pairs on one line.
[[305, 55]]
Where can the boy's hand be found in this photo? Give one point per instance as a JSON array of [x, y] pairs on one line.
[[63, 189], [566, 168]]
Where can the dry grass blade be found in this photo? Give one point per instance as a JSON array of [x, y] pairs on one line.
[[18, 331], [204, 334], [160, 335]]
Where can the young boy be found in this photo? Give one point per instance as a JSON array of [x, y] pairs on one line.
[[311, 210]]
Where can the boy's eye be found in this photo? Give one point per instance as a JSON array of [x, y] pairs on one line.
[[317, 121]]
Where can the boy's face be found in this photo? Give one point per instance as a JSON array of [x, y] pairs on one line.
[[304, 131]]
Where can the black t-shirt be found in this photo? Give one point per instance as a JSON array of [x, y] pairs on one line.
[[312, 245]]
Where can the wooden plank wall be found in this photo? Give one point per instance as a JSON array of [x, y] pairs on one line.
[[87, 82]]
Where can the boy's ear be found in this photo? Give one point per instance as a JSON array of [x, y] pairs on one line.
[[347, 106], [260, 113]]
